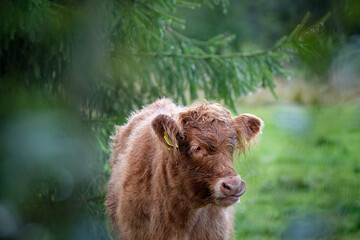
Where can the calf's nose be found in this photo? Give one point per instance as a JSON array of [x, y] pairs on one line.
[[233, 186]]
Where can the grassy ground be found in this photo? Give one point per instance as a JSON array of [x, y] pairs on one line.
[[303, 176]]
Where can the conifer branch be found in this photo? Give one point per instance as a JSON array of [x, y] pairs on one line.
[[215, 56]]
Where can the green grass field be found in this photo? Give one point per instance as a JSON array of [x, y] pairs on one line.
[[303, 175]]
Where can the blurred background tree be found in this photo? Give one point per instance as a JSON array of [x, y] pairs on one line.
[[111, 57], [70, 70]]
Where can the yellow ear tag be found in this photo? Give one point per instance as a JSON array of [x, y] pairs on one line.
[[168, 141]]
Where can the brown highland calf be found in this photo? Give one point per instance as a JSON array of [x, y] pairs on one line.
[[172, 172]]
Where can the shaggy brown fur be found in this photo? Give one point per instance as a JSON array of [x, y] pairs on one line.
[[181, 188]]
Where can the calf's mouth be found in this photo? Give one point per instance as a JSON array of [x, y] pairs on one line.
[[228, 191]]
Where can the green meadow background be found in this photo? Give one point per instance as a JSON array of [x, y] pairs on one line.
[[303, 174]]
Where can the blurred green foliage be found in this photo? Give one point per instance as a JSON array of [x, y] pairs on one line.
[[51, 171], [107, 58], [70, 70], [258, 24]]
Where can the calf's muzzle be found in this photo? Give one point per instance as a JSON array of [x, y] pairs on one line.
[[229, 189]]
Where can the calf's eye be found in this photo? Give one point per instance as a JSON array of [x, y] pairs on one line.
[[194, 149]]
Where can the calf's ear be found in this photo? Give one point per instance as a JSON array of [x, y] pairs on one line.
[[248, 126], [166, 129]]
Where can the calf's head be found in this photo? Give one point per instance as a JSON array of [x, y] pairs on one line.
[[202, 140]]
